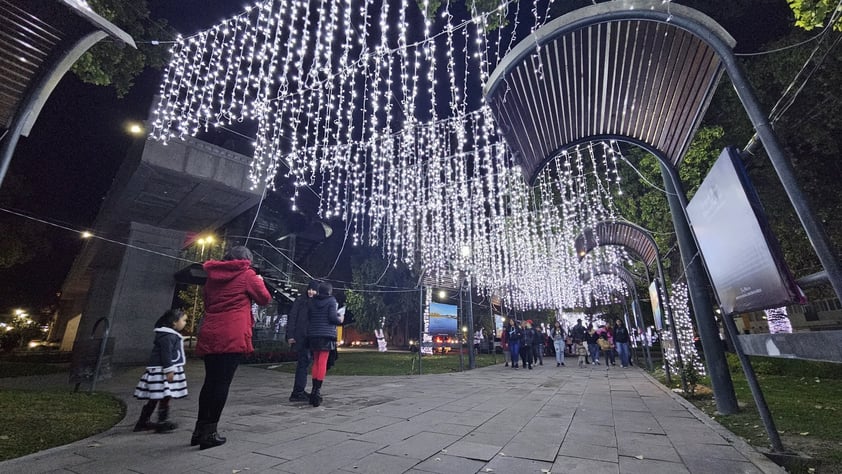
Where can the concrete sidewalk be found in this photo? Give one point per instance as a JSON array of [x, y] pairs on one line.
[[494, 419]]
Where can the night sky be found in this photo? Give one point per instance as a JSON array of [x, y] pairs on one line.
[[62, 171]]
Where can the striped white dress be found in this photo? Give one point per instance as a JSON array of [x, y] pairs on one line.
[[153, 385]]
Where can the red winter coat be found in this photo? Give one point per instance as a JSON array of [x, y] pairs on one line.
[[229, 292]]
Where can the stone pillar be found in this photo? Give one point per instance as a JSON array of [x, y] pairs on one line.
[[131, 287]]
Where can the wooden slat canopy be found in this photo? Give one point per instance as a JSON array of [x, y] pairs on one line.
[[618, 69]]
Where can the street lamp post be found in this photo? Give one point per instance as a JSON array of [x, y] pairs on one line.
[[207, 240]]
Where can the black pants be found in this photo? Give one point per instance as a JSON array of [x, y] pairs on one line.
[[219, 371], [526, 355]]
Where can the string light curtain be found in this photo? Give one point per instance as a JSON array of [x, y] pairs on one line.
[[385, 122], [680, 301]]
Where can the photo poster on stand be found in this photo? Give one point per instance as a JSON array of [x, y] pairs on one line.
[[740, 251], [499, 323], [657, 306], [443, 319], [427, 338]]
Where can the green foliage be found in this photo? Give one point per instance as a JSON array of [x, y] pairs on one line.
[[808, 129], [193, 304], [380, 294], [365, 362], [63, 417], [811, 14], [787, 367], [496, 20], [23, 239], [643, 201], [115, 64], [804, 407], [691, 375]]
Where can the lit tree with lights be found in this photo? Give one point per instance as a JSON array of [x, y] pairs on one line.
[[680, 299]]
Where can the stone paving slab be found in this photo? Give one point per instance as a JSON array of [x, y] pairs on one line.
[[494, 419]]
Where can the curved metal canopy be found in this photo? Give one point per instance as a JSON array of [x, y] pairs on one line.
[[39, 36], [607, 269], [620, 69], [621, 233], [39, 42]]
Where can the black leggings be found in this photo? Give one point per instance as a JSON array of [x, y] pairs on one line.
[[219, 371]]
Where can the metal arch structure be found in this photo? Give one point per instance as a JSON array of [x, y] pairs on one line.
[[608, 269], [641, 71], [607, 70], [628, 278], [41, 40], [641, 243], [617, 232]]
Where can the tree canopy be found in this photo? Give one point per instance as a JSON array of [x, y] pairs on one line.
[[113, 64], [810, 14]]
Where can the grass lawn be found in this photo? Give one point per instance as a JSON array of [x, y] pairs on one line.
[[395, 363], [806, 409], [31, 421]]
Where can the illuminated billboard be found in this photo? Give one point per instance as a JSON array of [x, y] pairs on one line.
[[443, 319]]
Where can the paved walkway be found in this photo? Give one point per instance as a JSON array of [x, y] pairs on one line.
[[494, 419]]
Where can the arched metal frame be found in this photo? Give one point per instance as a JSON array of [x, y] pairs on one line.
[[36, 57], [640, 242], [539, 120], [627, 278], [631, 236]]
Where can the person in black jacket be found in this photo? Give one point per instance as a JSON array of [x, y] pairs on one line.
[[514, 337], [321, 335], [621, 343], [526, 343], [297, 326]]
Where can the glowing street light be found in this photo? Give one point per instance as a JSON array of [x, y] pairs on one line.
[[207, 240], [135, 128], [86, 235]]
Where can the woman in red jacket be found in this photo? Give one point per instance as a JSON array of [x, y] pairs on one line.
[[225, 334]]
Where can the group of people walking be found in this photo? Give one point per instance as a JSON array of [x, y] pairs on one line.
[[225, 336], [524, 343], [588, 343]]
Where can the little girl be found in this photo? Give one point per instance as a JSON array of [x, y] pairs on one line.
[[164, 377]]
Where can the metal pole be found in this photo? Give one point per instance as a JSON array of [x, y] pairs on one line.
[[720, 376], [493, 336], [472, 360], [102, 346], [459, 329], [420, 325], [642, 329], [783, 167], [751, 378]]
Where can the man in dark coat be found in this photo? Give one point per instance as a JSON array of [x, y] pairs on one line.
[[297, 325]]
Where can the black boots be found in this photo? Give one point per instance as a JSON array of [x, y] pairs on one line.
[[164, 425], [299, 396], [206, 436], [143, 423], [316, 394]]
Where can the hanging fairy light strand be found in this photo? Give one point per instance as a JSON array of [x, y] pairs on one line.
[[345, 95], [680, 303]]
